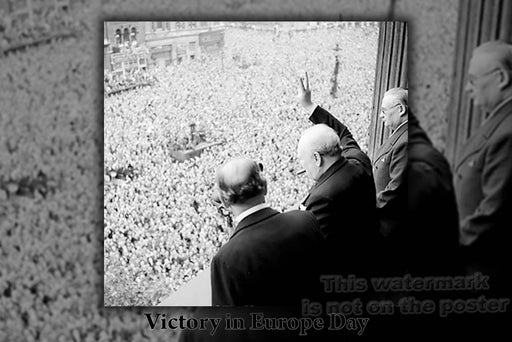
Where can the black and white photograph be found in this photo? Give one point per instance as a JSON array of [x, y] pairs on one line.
[[207, 121], [255, 170]]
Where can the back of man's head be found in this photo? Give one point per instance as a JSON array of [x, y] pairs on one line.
[[239, 181], [322, 139], [319, 147]]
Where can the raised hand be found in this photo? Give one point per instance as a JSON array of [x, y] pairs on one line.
[[304, 93]]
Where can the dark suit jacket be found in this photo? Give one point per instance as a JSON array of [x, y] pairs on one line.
[[343, 201], [272, 258], [431, 234], [393, 198], [483, 185]]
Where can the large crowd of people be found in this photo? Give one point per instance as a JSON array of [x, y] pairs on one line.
[[37, 23], [114, 83], [160, 225]]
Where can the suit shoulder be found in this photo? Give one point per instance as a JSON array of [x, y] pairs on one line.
[[504, 130], [300, 216], [304, 221], [401, 145], [394, 143], [231, 253], [402, 139]]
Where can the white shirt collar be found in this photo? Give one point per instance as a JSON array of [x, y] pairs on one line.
[[250, 211]]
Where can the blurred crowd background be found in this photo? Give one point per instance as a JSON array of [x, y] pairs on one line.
[[51, 269], [27, 22], [160, 227]]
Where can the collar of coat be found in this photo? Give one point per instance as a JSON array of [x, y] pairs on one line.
[[486, 130], [253, 219], [400, 126], [388, 144], [326, 175], [503, 106], [329, 172], [496, 117]]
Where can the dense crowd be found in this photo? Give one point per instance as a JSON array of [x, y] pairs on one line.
[[113, 83], [50, 179], [45, 22], [160, 227]]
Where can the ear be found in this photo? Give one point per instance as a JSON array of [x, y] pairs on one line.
[[223, 201], [504, 79], [402, 110], [318, 159]]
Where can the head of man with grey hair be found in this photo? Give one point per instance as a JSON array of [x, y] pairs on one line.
[[319, 148], [489, 79], [394, 107], [271, 258], [241, 185]]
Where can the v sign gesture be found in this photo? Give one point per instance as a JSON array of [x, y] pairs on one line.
[[304, 94]]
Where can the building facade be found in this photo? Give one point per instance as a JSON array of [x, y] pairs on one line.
[[159, 43]]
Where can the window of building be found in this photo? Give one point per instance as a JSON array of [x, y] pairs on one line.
[[192, 25], [180, 25], [126, 35], [159, 25], [118, 37], [134, 34]]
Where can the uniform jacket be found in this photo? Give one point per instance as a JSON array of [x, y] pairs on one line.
[[388, 167], [483, 183]]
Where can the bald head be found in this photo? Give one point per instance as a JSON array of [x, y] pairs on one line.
[[322, 139], [240, 181], [319, 147]]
